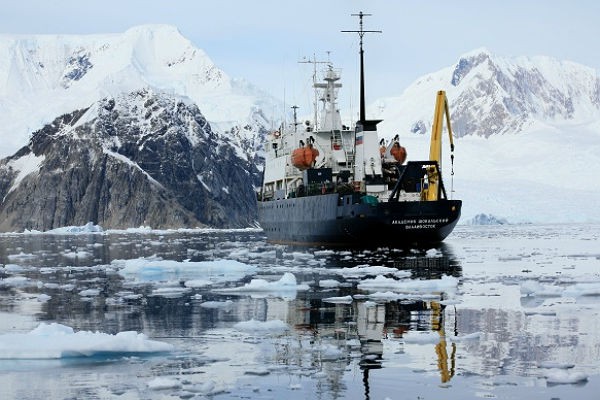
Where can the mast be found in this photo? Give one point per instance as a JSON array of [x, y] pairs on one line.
[[294, 107], [361, 32], [314, 62]]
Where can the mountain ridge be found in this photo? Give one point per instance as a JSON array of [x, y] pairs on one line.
[[49, 75], [140, 159], [490, 95]]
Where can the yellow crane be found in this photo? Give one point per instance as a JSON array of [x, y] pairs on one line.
[[431, 193]]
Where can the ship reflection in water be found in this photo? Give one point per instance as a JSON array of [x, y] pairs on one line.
[[363, 325]]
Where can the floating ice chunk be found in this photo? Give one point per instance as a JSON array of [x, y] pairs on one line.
[[273, 326], [12, 268], [171, 292], [329, 283], [534, 288], [583, 289], [16, 281], [324, 253], [217, 304], [381, 296], [555, 365], [89, 292], [197, 283], [433, 253], [162, 383], [562, 376], [364, 270], [155, 269], [464, 338], [339, 300], [69, 230], [330, 352], [42, 298], [421, 337], [52, 341], [299, 256], [77, 254], [409, 285], [286, 283], [21, 256]]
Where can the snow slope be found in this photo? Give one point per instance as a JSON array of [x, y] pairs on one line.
[[527, 135], [44, 76]]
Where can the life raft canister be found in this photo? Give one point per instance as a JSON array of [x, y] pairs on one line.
[[399, 153]]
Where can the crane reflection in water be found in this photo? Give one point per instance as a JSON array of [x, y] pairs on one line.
[[368, 323]]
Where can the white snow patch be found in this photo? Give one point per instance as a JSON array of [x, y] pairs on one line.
[[25, 165]]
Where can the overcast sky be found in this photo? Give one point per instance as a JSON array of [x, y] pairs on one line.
[[263, 40]]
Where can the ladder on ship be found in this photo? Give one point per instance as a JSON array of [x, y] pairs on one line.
[[337, 143]]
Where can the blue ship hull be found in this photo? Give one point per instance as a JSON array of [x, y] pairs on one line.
[[331, 219]]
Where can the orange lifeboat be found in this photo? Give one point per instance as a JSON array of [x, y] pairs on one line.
[[398, 152], [302, 158]]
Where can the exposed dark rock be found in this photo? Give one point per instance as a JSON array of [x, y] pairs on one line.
[[138, 159]]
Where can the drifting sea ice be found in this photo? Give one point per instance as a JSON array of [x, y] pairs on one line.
[[156, 270], [287, 283], [52, 341]]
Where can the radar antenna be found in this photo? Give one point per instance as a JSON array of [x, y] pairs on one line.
[[314, 62]]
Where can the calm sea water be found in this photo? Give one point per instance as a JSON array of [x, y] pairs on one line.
[[516, 308]]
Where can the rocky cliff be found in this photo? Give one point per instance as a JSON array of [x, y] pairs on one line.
[[142, 158]]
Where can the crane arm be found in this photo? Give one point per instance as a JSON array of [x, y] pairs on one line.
[[441, 111], [435, 149]]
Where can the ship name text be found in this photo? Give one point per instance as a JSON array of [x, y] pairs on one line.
[[420, 223]]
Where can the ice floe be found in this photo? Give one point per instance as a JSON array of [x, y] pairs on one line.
[[409, 286], [253, 326], [158, 270], [54, 341], [339, 300], [283, 287], [563, 376]]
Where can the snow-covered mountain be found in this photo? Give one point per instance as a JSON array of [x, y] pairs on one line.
[[528, 128], [140, 158], [491, 95], [44, 76], [528, 135]]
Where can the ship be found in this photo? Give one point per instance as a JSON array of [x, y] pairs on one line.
[[329, 184]]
